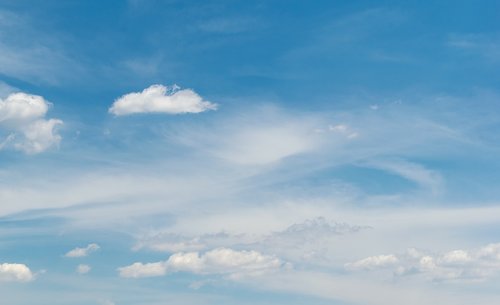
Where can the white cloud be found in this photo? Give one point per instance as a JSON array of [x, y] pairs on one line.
[[83, 269], [372, 262], [22, 117], [313, 241], [137, 270], [344, 130], [15, 273], [224, 261], [81, 252], [454, 265], [161, 99]]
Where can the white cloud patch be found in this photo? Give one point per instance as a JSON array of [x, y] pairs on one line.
[[15, 273], [22, 118], [478, 264], [82, 252], [161, 99], [372, 262], [344, 130], [83, 269], [225, 261]]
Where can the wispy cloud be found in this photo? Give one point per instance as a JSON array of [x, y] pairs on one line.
[[486, 45], [31, 54]]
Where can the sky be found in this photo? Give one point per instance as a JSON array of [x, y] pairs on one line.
[[249, 152]]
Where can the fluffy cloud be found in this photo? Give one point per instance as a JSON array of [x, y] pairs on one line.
[[83, 269], [22, 117], [459, 264], [81, 252], [161, 99], [218, 261], [15, 273]]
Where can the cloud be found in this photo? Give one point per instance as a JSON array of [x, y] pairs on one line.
[[429, 179], [83, 269], [379, 261], [312, 241], [259, 136], [15, 273], [22, 116], [223, 261], [82, 252], [161, 99], [478, 264]]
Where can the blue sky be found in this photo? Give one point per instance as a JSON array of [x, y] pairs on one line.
[[243, 152]]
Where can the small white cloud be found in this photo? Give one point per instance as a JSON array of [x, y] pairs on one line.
[[15, 273], [22, 117], [344, 130], [161, 99], [81, 252], [137, 270], [373, 262], [83, 269], [224, 261]]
